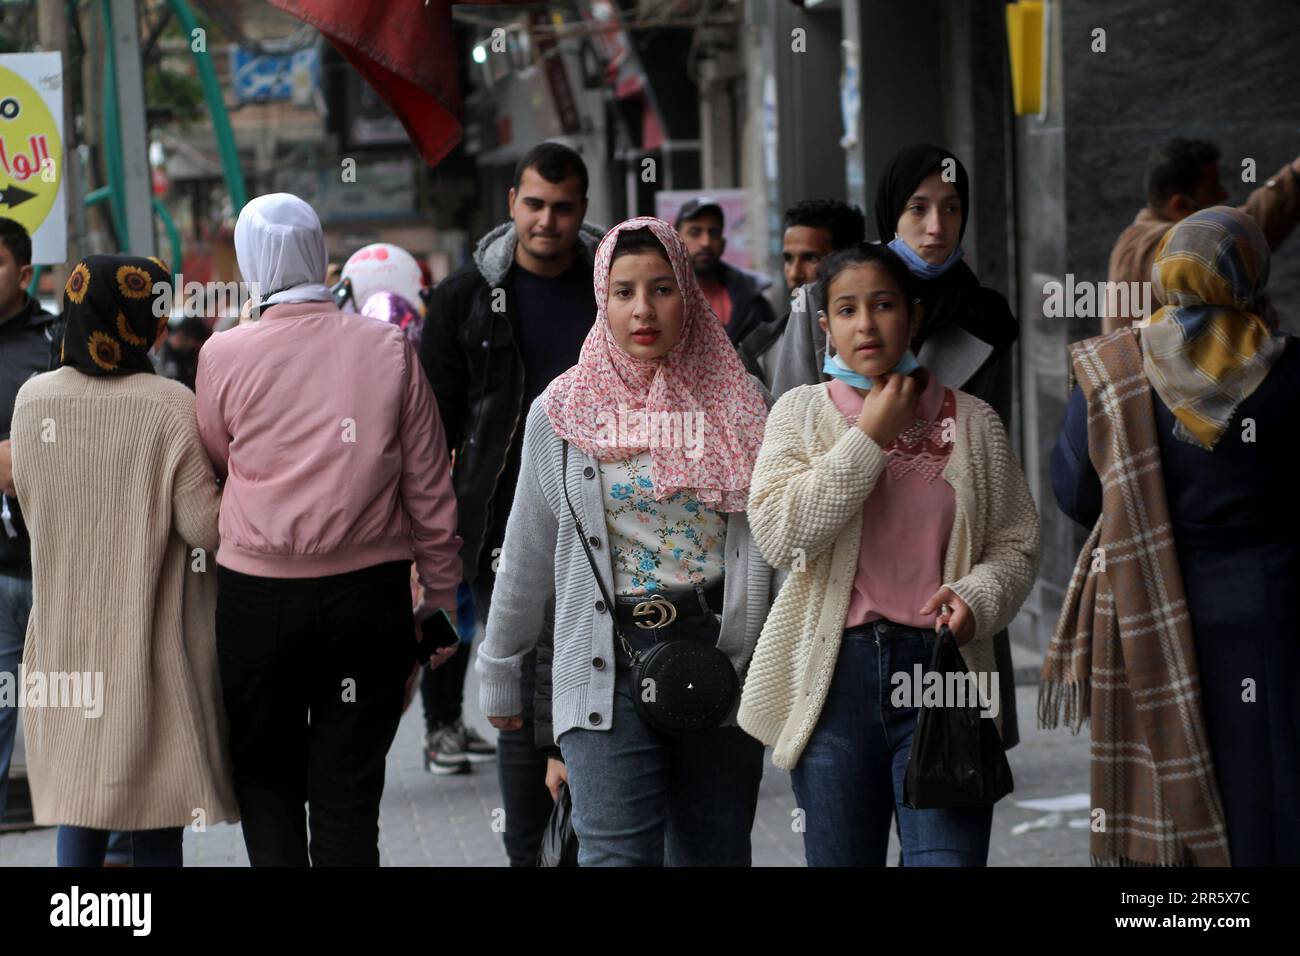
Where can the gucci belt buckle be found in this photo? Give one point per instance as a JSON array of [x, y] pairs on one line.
[[657, 604]]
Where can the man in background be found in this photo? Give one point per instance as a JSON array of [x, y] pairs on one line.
[[1183, 177], [178, 358], [814, 228], [30, 339], [495, 334], [736, 296]]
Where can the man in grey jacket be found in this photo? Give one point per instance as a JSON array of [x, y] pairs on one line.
[[814, 228]]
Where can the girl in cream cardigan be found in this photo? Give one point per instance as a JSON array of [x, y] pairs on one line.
[[847, 497]]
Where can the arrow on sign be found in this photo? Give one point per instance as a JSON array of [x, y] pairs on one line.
[[13, 196]]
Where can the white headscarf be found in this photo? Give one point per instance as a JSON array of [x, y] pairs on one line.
[[280, 246]]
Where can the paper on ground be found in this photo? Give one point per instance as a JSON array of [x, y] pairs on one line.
[[1071, 801]]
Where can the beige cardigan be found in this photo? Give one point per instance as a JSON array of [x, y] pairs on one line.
[[813, 474], [117, 492]]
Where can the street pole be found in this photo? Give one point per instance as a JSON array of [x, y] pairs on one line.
[[52, 36], [133, 129]]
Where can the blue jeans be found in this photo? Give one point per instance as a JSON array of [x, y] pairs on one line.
[[644, 799], [119, 852], [849, 779], [83, 846], [15, 608]]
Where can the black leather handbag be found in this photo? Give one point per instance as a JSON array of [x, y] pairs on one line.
[[679, 685]]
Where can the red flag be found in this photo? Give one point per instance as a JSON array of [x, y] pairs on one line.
[[406, 50]]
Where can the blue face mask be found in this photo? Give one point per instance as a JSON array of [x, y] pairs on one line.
[[918, 266], [834, 366]]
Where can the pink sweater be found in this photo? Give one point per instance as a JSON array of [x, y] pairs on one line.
[[907, 519], [332, 450]]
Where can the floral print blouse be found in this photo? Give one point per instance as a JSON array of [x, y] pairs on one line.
[[658, 545]]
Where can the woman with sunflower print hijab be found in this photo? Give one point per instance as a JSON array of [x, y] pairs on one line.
[[122, 504]]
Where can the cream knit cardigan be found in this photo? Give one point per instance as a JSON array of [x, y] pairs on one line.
[[117, 491], [813, 474]]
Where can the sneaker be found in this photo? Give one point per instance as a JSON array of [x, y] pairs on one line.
[[477, 750], [444, 751]]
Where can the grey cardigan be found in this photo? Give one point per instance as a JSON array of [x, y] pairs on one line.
[[542, 561]]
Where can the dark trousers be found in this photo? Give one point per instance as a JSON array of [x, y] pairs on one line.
[[442, 691], [521, 772], [313, 671], [521, 764], [83, 846]]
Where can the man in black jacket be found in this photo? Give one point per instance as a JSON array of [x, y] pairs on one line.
[[496, 333], [29, 344]]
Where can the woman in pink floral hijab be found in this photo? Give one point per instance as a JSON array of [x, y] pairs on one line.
[[701, 374], [629, 521]]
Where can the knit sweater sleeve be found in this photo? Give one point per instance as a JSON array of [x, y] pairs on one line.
[[1003, 572], [799, 500]]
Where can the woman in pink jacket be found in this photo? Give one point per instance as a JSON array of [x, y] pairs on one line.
[[336, 475]]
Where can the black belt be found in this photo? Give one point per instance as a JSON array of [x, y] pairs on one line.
[[646, 614]]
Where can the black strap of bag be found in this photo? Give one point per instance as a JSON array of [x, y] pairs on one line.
[[679, 686], [591, 559]]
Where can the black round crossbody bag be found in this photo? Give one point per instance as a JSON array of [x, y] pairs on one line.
[[679, 685]]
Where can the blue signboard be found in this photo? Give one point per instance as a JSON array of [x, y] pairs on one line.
[[261, 79]]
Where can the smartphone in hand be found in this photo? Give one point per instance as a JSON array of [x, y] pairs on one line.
[[436, 632]]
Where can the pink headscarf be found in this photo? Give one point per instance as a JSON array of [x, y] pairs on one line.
[[602, 404]]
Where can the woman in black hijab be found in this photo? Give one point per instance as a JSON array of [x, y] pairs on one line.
[[966, 333], [967, 330]]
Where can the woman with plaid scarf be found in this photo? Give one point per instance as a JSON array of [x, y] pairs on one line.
[[1176, 635]]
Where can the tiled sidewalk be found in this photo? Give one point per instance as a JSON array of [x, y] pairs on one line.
[[447, 821]]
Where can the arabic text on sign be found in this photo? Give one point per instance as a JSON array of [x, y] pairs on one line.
[[20, 167]]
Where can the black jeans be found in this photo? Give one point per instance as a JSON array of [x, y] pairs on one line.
[[313, 671], [521, 764], [442, 691], [521, 772]]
